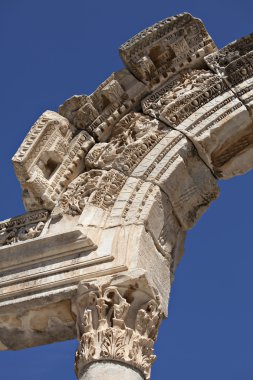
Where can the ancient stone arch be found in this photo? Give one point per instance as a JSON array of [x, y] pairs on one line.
[[111, 184]]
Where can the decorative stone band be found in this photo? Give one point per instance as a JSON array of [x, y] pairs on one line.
[[23, 227], [118, 324], [166, 48]]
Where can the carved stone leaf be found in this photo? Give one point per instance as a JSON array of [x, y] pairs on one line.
[[113, 338], [113, 344], [88, 346]]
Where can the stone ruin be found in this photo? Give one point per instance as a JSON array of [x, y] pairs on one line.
[[111, 184]]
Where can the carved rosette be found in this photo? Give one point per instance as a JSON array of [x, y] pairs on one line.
[[116, 327]]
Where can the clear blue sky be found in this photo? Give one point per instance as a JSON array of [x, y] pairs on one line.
[[53, 49]]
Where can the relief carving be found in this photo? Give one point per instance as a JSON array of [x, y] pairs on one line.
[[24, 227], [48, 159], [96, 187], [126, 171], [183, 95], [131, 139], [98, 113], [114, 326], [201, 105], [234, 63], [60, 165], [166, 48], [220, 60]]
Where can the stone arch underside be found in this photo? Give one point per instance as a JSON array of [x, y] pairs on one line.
[[113, 182]]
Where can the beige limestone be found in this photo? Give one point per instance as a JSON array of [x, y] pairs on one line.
[[111, 184]]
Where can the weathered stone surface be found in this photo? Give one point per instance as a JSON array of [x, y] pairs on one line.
[[49, 158], [24, 227], [99, 112], [220, 60], [51, 322], [234, 63], [143, 203], [200, 104], [47, 269], [112, 183], [144, 148], [175, 167], [98, 187], [130, 141], [162, 50], [117, 320]]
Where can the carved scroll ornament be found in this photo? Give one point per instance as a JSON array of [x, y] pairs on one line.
[[115, 326]]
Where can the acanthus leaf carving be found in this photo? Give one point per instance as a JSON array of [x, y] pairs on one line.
[[112, 327]]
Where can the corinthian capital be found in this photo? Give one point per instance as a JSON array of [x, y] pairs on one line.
[[116, 323]]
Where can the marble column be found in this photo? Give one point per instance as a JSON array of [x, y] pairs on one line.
[[110, 370]]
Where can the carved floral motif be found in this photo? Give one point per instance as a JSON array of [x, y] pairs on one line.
[[131, 140], [28, 226], [143, 174], [97, 187], [112, 327], [183, 95]]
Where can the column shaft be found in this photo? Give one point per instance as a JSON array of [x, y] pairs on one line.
[[110, 371]]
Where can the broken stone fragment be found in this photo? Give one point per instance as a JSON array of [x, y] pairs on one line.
[[98, 113], [166, 48]]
